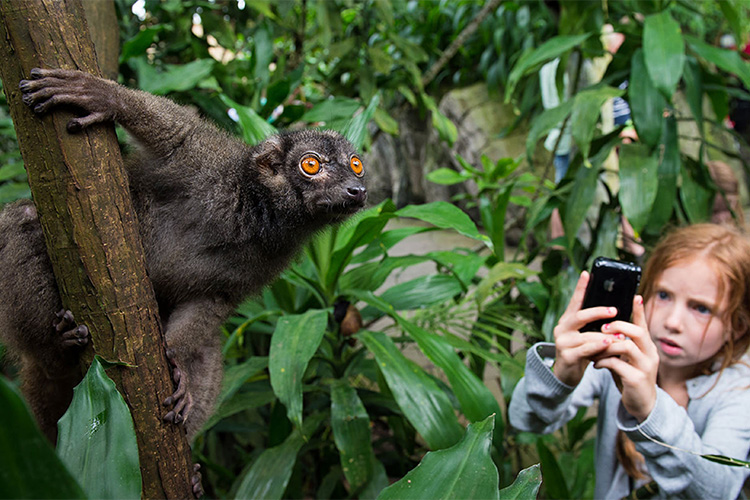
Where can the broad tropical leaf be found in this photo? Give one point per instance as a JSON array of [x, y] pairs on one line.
[[465, 471], [29, 467], [532, 60], [293, 345], [665, 51], [476, 400], [351, 431], [97, 441], [639, 174], [525, 487], [269, 475], [445, 216], [424, 404], [647, 104]]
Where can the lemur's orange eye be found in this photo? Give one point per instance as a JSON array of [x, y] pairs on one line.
[[310, 165], [357, 166]]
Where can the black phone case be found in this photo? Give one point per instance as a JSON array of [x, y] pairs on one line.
[[612, 283]]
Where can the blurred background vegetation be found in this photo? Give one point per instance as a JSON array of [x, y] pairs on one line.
[[394, 76]]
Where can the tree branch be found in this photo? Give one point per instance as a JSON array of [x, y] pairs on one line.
[[459, 41]]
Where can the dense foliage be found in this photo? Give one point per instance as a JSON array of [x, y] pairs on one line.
[[319, 398]]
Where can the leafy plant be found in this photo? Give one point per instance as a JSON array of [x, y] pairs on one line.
[[659, 181], [96, 447]]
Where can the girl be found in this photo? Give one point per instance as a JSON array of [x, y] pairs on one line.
[[676, 374]]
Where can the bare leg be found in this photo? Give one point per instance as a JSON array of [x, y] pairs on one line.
[[556, 228]]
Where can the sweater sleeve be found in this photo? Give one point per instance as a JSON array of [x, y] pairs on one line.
[[677, 468], [541, 403]]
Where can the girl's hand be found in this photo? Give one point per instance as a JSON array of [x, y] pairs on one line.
[[634, 365], [575, 350]]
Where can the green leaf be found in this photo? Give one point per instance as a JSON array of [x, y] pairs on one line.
[[236, 376], [263, 52], [545, 122], [694, 91], [137, 45], [385, 122], [668, 173], [356, 129], [639, 181], [606, 236], [733, 16], [424, 404], [554, 479], [29, 467], [380, 60], [664, 53], [337, 108], [476, 400], [447, 176], [293, 345], [727, 60], [493, 217], [351, 432], [269, 475], [445, 216], [732, 462], [465, 471], [696, 198], [363, 229], [525, 487], [372, 275], [579, 201], [423, 291], [531, 61], [500, 272], [446, 129], [647, 104], [97, 440], [11, 170], [585, 115], [462, 264], [254, 128], [12, 191], [240, 402], [175, 78]]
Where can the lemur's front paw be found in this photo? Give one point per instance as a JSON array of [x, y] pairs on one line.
[[181, 400], [71, 335], [51, 88]]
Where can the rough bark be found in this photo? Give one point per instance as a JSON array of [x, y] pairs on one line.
[[105, 33], [80, 190]]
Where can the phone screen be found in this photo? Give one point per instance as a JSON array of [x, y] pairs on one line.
[[613, 284]]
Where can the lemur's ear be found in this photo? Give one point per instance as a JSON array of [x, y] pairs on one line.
[[268, 155]]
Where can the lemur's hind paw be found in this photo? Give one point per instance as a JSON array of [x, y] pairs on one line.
[[195, 481], [181, 398], [71, 334]]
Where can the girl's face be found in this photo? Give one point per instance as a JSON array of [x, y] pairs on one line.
[[684, 317]]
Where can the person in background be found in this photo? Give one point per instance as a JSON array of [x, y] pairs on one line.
[[727, 208]]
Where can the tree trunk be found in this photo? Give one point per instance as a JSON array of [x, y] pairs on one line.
[[80, 191], [105, 33]]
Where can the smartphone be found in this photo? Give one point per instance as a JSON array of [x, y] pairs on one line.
[[612, 284]]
